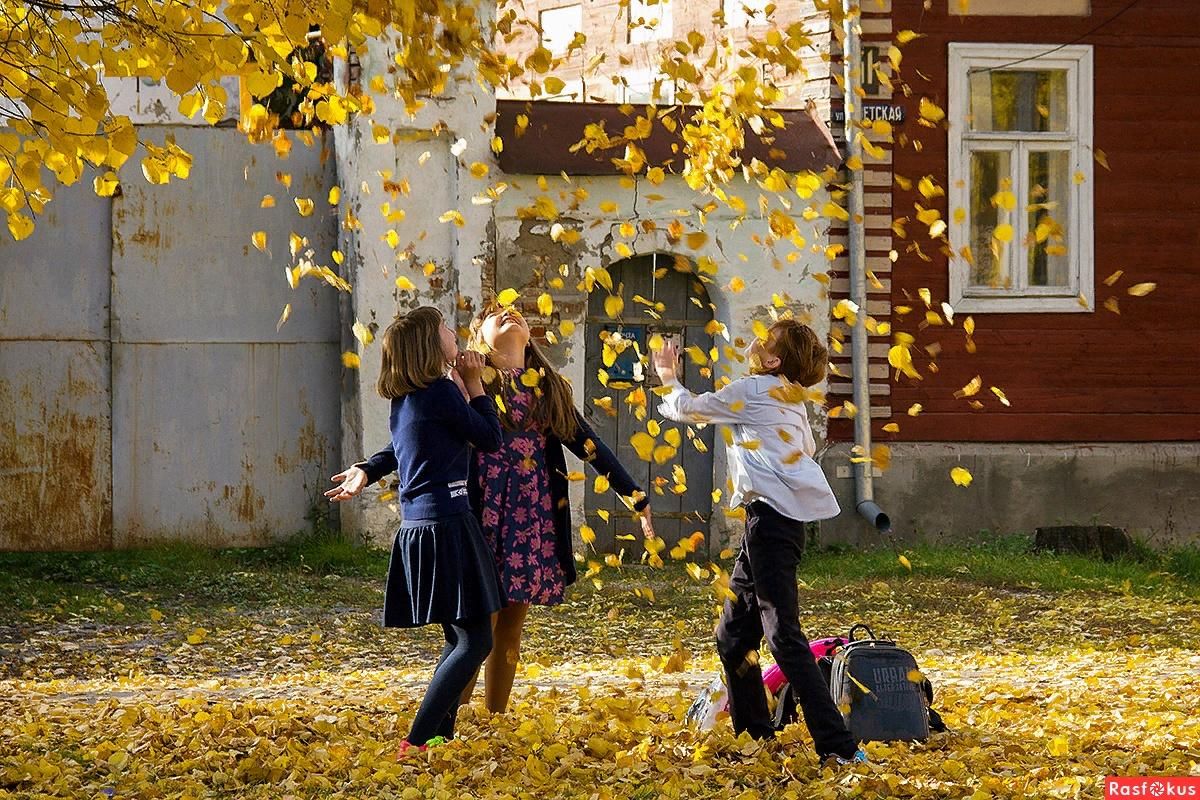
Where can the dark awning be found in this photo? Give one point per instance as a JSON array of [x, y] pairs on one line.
[[804, 143]]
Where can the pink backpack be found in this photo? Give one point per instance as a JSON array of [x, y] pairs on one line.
[[773, 677]]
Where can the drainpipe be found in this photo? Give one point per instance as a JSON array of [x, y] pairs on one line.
[[864, 493]]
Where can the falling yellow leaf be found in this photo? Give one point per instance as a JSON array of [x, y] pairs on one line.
[[643, 444], [905, 563], [960, 476], [362, 333], [507, 297], [614, 305], [545, 304], [335, 195], [453, 216], [971, 389], [259, 240], [403, 283], [350, 360], [1141, 289], [284, 317], [304, 206], [930, 112], [587, 534]]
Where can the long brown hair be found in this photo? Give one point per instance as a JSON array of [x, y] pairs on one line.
[[554, 409], [412, 353]]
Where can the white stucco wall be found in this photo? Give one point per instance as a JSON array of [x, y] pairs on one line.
[[493, 237]]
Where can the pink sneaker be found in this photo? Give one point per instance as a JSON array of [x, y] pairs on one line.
[[408, 749]]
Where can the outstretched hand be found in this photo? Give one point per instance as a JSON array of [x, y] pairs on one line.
[[350, 482], [647, 524]]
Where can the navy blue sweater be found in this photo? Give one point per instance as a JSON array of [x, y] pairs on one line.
[[433, 430]]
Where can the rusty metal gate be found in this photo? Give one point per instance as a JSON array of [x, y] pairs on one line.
[[145, 394], [686, 312]]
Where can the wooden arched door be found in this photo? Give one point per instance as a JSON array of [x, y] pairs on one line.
[[657, 279]]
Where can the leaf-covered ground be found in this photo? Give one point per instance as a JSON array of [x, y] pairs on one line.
[[259, 674]]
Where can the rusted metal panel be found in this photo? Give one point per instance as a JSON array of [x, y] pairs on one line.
[[224, 430], [184, 269], [54, 446], [55, 284], [221, 443], [544, 147]]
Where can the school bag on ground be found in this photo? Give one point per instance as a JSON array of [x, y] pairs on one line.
[[880, 691], [825, 650]]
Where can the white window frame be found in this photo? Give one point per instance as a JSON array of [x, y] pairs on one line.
[[559, 48], [638, 9], [1077, 139]]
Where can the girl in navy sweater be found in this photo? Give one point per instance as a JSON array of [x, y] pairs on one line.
[[441, 571], [520, 490]]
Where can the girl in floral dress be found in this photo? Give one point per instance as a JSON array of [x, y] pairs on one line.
[[520, 490]]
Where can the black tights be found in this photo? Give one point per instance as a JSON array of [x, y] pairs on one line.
[[468, 643]]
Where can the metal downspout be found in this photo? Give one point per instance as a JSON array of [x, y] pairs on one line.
[[864, 493]]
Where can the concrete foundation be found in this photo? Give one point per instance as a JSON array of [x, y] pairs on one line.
[[1150, 489]]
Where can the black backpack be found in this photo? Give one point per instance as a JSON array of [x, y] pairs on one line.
[[872, 682]]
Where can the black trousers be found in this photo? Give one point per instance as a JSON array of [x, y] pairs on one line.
[[767, 603]]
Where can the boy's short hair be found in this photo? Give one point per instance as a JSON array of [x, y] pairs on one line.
[[802, 356], [412, 353]]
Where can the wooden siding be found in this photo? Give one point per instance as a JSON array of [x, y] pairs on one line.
[[1097, 377]]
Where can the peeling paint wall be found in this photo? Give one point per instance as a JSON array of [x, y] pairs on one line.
[[525, 251], [497, 249], [55, 406], [145, 394]]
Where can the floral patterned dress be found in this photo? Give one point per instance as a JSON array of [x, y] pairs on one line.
[[518, 513]]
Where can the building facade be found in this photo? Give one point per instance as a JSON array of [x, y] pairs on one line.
[[1070, 107]]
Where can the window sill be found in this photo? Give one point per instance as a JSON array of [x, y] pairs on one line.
[[1021, 305]]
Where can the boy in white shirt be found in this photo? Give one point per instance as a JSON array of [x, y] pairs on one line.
[[781, 487]]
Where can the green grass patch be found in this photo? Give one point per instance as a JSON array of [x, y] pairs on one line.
[[1010, 561], [324, 569]]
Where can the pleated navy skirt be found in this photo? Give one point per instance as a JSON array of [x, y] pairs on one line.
[[441, 571]]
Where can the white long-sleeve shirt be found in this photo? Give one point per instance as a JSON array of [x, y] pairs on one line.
[[780, 469]]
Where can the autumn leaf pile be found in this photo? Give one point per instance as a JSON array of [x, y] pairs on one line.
[[257, 689]]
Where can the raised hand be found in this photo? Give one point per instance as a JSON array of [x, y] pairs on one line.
[[666, 361], [351, 482], [469, 366]]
